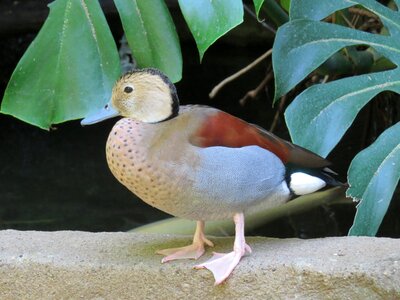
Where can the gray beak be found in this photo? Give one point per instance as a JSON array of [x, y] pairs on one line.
[[107, 112]]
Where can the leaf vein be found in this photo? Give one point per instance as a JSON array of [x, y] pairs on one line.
[[390, 154], [348, 95], [352, 41], [60, 51], [94, 35], [142, 23]]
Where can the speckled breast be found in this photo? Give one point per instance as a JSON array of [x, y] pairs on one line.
[[127, 157], [145, 158]]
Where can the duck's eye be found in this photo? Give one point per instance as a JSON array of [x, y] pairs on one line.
[[128, 89]]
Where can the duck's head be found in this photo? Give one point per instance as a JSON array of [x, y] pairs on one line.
[[145, 95]]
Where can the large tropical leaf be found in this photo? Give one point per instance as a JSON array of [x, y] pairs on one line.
[[319, 117], [151, 35], [302, 45], [68, 70], [209, 20], [306, 9], [373, 175]]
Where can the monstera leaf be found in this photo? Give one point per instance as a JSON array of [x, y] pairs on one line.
[[373, 176], [319, 117], [69, 69]]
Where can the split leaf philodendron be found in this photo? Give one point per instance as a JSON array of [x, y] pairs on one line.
[[373, 176], [319, 117]]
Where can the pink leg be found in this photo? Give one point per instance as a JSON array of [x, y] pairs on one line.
[[222, 264], [193, 251]]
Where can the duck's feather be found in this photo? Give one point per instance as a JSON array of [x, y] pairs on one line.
[[223, 129]]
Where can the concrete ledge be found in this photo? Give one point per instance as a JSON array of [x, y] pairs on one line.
[[55, 265]]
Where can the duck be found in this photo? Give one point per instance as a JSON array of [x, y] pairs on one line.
[[200, 163]]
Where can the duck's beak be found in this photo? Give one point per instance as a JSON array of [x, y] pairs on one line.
[[107, 112]]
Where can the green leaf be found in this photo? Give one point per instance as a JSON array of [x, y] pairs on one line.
[[68, 70], [303, 45], [257, 6], [373, 176], [151, 35], [318, 118], [285, 4], [312, 10], [209, 20], [389, 17], [316, 10]]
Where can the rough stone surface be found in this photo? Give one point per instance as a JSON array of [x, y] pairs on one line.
[[82, 265]]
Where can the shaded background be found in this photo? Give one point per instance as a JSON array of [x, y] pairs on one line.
[[59, 180]]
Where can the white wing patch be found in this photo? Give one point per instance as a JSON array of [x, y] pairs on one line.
[[302, 183]]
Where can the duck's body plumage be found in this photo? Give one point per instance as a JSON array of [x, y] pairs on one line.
[[201, 163], [212, 182]]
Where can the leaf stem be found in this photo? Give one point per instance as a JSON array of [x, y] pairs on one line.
[[239, 73], [262, 22], [253, 93], [278, 112]]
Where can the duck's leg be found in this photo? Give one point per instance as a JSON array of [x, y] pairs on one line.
[[193, 251], [222, 264]]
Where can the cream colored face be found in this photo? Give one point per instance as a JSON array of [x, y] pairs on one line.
[[142, 96]]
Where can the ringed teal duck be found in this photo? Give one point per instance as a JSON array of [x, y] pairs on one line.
[[200, 163]]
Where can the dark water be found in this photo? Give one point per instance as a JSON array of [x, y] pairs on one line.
[[59, 180]]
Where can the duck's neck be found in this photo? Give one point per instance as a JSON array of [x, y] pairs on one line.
[[174, 107], [153, 109]]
